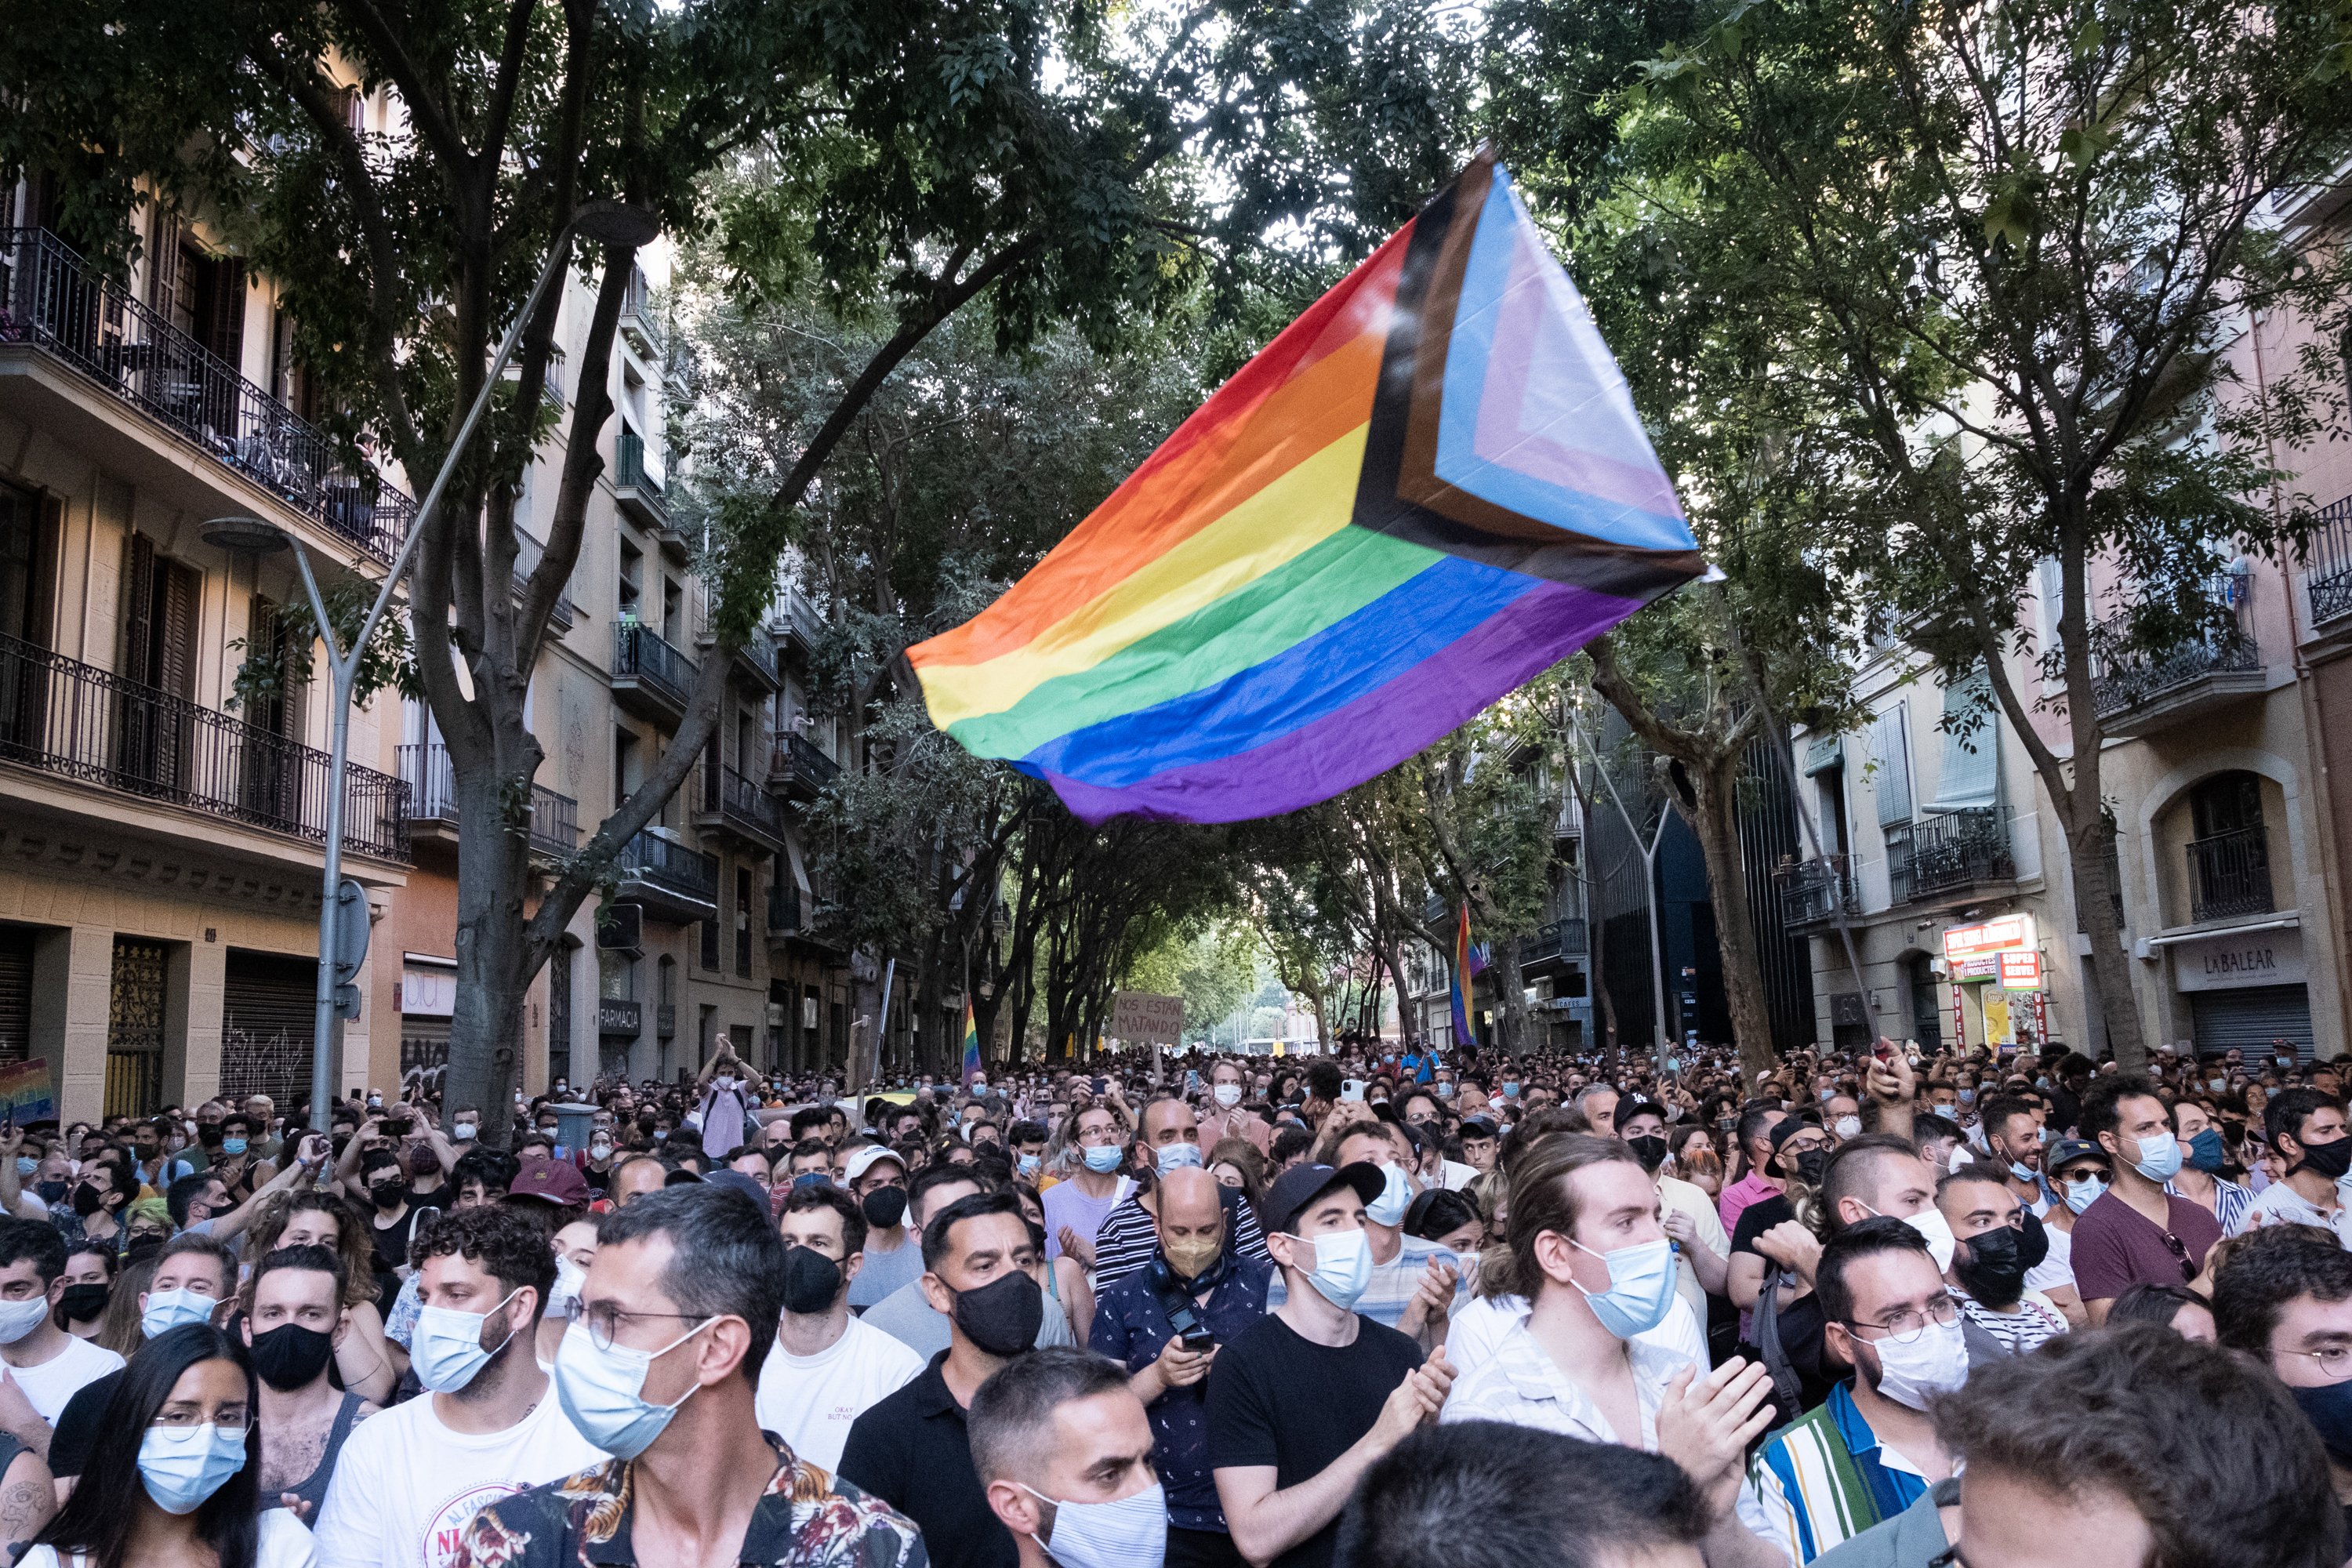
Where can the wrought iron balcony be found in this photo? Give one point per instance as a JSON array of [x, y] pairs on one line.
[[650, 678], [51, 297], [1816, 892], [638, 320], [433, 801], [2328, 558], [1951, 853], [2229, 874], [794, 621], [755, 661], [1559, 938], [70, 719], [672, 881], [783, 909], [800, 769], [730, 804], [2141, 692], [527, 552], [639, 492]]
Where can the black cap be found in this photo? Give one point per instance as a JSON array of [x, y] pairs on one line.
[[1479, 1127], [1299, 1186]]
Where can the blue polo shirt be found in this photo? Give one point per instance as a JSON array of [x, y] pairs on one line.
[[1132, 1330]]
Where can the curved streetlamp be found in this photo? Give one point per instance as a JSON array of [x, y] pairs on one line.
[[609, 222]]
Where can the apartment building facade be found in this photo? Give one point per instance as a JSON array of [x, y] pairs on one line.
[[160, 843]]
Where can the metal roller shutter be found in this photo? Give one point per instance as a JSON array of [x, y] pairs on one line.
[[2251, 1019], [266, 1027], [16, 994]]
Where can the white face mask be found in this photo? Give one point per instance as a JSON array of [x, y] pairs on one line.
[[1934, 1363], [18, 1319], [1228, 1094]]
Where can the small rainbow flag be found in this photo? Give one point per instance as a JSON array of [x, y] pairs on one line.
[[1462, 975], [1429, 488], [971, 1069]]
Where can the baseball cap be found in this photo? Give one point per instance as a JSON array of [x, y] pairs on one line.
[[865, 1159], [555, 1182], [1479, 1127], [2067, 1150], [737, 1182], [1299, 1186]]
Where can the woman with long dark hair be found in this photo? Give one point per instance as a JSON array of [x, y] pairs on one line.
[[175, 1478]]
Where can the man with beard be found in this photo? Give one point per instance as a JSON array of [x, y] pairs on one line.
[[1703, 1251], [1996, 1243], [294, 1318], [1869, 1451]]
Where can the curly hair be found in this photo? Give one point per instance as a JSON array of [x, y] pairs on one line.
[[352, 1244], [510, 1248]]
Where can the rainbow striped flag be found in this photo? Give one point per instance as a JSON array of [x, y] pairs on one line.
[[1462, 975], [971, 1069], [1428, 490]]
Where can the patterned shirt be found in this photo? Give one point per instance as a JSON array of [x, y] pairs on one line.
[[806, 1519], [2230, 1203], [2037, 1319], [1824, 1479], [1521, 1385]]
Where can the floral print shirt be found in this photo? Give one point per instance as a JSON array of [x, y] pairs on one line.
[[807, 1519]]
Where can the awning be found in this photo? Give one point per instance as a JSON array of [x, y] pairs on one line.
[[1823, 753], [1971, 775], [800, 871]]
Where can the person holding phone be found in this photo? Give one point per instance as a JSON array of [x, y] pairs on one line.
[[1164, 1323]]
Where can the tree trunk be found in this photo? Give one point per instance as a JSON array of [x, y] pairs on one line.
[[1510, 997], [2087, 852], [493, 863], [1714, 814]]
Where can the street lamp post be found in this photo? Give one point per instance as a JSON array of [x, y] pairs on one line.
[[604, 222]]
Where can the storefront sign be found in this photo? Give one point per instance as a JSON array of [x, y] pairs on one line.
[[2020, 971], [2008, 934], [2232, 962]]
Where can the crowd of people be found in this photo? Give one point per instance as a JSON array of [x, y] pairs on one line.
[[1385, 1307]]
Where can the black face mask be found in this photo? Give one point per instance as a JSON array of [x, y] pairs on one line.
[[1992, 1267], [88, 1200], [2329, 1160], [884, 1206], [1813, 1165], [1650, 1151], [811, 1281], [389, 1195], [2034, 1245], [53, 1193], [1002, 1317], [83, 1303], [2329, 1408], [291, 1356]]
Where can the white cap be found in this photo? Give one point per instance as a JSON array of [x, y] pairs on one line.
[[870, 1155]]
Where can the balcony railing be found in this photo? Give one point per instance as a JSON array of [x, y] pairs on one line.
[[798, 763], [1956, 850], [433, 798], [637, 317], [642, 492], [50, 296], [2124, 680], [527, 552], [1560, 939], [739, 802], [642, 654], [650, 858], [783, 908], [1816, 892], [2229, 874], [70, 719], [2328, 557]]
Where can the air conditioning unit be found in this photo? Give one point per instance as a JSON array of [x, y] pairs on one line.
[[621, 928]]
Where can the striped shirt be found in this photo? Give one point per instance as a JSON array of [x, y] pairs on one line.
[[1131, 1237], [1823, 1479], [2035, 1320], [2230, 1203], [1395, 1283]]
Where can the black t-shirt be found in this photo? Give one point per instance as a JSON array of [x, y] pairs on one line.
[[1759, 1218], [79, 1426], [1275, 1398], [1801, 1320]]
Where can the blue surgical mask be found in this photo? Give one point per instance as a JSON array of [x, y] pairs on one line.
[[2205, 1153], [1396, 1196], [447, 1348], [1029, 1163], [26, 1166], [1343, 1267], [2081, 1195], [1511, 1088], [1103, 1159], [2018, 1172], [1178, 1156], [602, 1391], [1641, 1287], [1131, 1532], [168, 1309], [232, 1145], [181, 1465], [2159, 1157]]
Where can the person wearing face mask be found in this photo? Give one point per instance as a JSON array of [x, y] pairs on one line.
[[893, 1259], [1869, 1451], [1224, 1117], [176, 1476], [1415, 1285], [192, 1276], [391, 1219], [574, 1247], [827, 1368], [2285, 1298], [1996, 1244], [90, 1284], [1064, 1450], [659, 1369], [294, 1319], [912, 1449], [409, 1479], [2012, 1136], [1285, 1461], [2199, 1178], [45, 1366], [725, 1108], [1588, 1252], [1027, 1141], [2309, 1133], [1077, 1207], [1130, 1238], [2135, 1233], [1702, 1252], [1164, 1323]]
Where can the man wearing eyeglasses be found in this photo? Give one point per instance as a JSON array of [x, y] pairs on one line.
[[2286, 1299], [1869, 1451], [2135, 1233]]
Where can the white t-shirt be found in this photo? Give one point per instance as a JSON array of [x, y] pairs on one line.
[[2280, 1203], [280, 1541], [406, 1484], [2057, 1270], [63, 1375], [810, 1401]]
